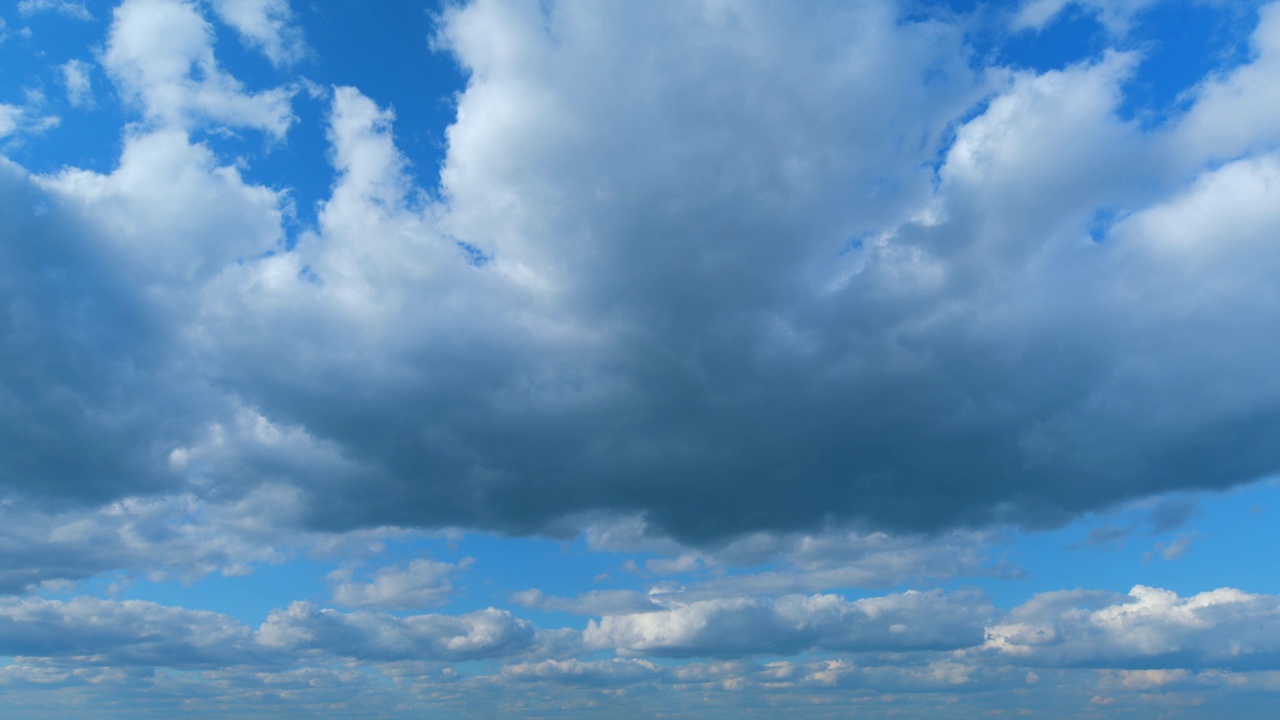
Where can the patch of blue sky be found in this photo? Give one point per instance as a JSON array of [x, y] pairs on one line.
[[396, 67], [1119, 549], [31, 75], [249, 598], [1180, 44]]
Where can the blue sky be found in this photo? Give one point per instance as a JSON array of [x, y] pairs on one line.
[[696, 359]]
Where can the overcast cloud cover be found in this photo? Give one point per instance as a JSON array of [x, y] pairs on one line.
[[694, 357]]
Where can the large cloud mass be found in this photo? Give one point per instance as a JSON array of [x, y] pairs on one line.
[[730, 268]]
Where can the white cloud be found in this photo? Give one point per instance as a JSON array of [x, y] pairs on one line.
[[9, 116], [75, 76], [160, 55], [1232, 112], [25, 118], [420, 584], [170, 538], [369, 636], [1151, 628], [266, 25], [1116, 15], [68, 8]]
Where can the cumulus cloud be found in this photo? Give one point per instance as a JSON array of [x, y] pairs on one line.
[[372, 636], [727, 287], [667, 324], [1150, 628], [121, 633], [160, 55], [168, 538], [420, 584], [266, 25], [98, 292], [1229, 115], [795, 623]]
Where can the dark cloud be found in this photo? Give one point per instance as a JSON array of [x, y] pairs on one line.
[[752, 269]]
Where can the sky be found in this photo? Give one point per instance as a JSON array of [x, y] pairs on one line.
[[678, 358]]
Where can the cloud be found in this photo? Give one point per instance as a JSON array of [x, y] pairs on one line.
[[91, 631], [74, 10], [1116, 15], [792, 624], [1228, 117], [595, 602], [25, 118], [731, 288], [369, 636], [617, 672], [121, 633], [168, 538], [1173, 549], [266, 25], [98, 297], [75, 75], [420, 584], [160, 56], [1151, 628]]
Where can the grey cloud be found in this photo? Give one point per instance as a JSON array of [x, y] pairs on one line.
[[795, 623], [618, 672], [596, 602], [91, 631], [1171, 514], [751, 269], [676, 327], [121, 633], [378, 637]]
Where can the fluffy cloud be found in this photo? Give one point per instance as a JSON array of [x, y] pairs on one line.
[[1150, 628], [668, 326], [171, 538], [675, 269], [266, 25], [160, 55], [420, 584]]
